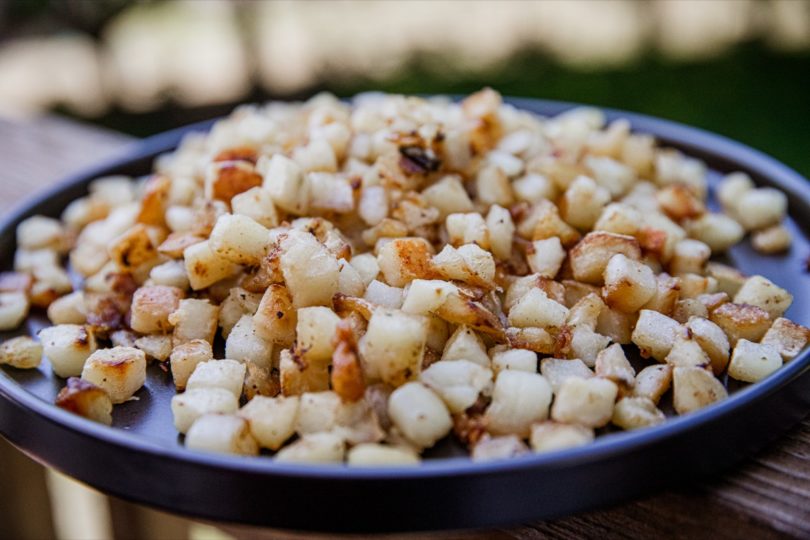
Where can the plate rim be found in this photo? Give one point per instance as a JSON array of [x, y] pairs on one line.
[[694, 141]]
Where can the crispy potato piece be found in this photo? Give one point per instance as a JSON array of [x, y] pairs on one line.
[[741, 321], [85, 399], [628, 284], [587, 402], [153, 203], [21, 352], [591, 255], [695, 388], [227, 179], [550, 436], [653, 381], [763, 293], [752, 362], [271, 420], [120, 371], [636, 413], [404, 259], [67, 347], [787, 337], [379, 455], [222, 433], [419, 414], [152, 308]]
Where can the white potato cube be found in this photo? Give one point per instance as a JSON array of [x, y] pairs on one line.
[[184, 359], [425, 296], [629, 284], [636, 413], [582, 202], [171, 274], [718, 231], [774, 239], [761, 207], [501, 231], [419, 414], [246, 345], [120, 371], [393, 346], [546, 256], [515, 359], [257, 204], [271, 420], [21, 352], [550, 436], [384, 295], [712, 340], [13, 310], [85, 399], [612, 364], [404, 259], [311, 272], [504, 447], [752, 362], [457, 382], [519, 399], [694, 388], [318, 412], [558, 370], [69, 309], [655, 334], [194, 319], [465, 344], [205, 267], [284, 181], [226, 374], [67, 347], [379, 455], [536, 309], [761, 292], [741, 321], [195, 403], [653, 381], [787, 337], [591, 255], [687, 353], [314, 448], [239, 239], [222, 433], [152, 307], [448, 196], [588, 402], [315, 333]]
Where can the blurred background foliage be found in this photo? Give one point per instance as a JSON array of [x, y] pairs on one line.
[[737, 67]]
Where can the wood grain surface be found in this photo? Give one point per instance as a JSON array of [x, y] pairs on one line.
[[767, 497]]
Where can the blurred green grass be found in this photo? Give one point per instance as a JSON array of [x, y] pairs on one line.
[[752, 93]]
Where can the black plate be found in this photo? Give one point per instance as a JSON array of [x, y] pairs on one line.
[[141, 459]]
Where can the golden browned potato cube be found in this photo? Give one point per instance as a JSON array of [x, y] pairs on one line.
[[741, 321], [419, 414], [752, 362], [393, 346], [226, 179], [636, 413], [457, 382], [380, 455], [787, 337], [653, 381], [21, 352], [197, 402], [239, 302], [591, 255], [85, 399], [666, 295], [550, 436], [404, 259], [120, 371], [227, 374], [296, 377], [655, 334], [152, 306], [205, 267], [588, 402], [629, 284], [67, 346], [194, 319], [272, 420], [712, 340], [275, 319], [545, 257], [314, 448], [695, 388], [184, 359], [612, 364], [762, 292], [519, 399], [239, 239], [222, 433]]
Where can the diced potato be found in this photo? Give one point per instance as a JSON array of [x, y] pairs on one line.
[[655, 334], [687, 353], [774, 239], [544, 221], [591, 255], [120, 371], [679, 202], [271, 420], [284, 181], [384, 295], [628, 284], [493, 187], [85, 399], [136, 247], [519, 399], [424, 296], [695, 285], [533, 339], [367, 266], [155, 347], [40, 232], [688, 308], [522, 285], [184, 359], [729, 280], [350, 282], [448, 196], [275, 319], [239, 239], [310, 271], [587, 402], [515, 359], [718, 231], [666, 295], [550, 436], [690, 256], [504, 447], [314, 448], [257, 204], [465, 344], [393, 346], [246, 345], [222, 433], [545, 257], [171, 274], [612, 364], [315, 332], [695, 388], [501, 231], [205, 267], [379, 455], [617, 325], [557, 371], [226, 374], [419, 414], [404, 259], [468, 263], [457, 382], [760, 208], [586, 344], [194, 319], [787, 337], [752, 362], [21, 352], [13, 310], [318, 412], [226, 179], [67, 346], [536, 309], [761, 292], [636, 413], [152, 306], [194, 403], [732, 187], [239, 302], [741, 321], [534, 188], [712, 340], [653, 381], [582, 203], [619, 218]]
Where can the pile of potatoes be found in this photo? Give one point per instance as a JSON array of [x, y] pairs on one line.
[[335, 282]]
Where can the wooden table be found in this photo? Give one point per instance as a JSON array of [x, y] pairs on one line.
[[768, 496]]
